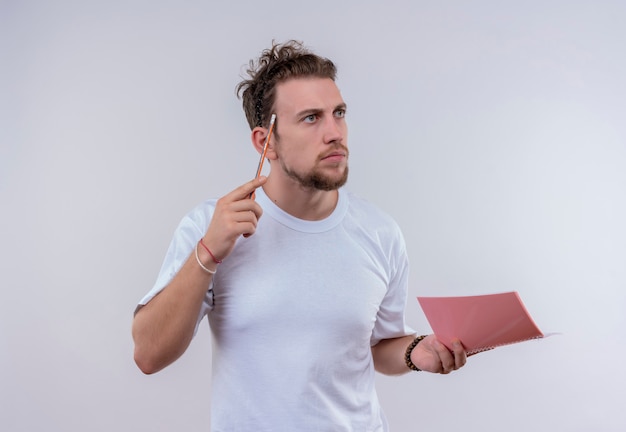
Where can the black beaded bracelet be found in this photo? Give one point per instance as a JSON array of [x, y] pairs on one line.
[[409, 350]]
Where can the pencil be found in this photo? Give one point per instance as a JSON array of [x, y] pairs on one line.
[[265, 146]]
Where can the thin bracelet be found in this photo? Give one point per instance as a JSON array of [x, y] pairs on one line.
[[206, 248], [409, 350], [209, 271]]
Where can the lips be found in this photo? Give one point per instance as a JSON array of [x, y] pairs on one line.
[[334, 158], [335, 155]]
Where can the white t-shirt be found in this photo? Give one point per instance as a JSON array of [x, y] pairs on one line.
[[293, 313]]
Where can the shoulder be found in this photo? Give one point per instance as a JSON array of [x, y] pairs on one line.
[[370, 220], [368, 212], [376, 231]]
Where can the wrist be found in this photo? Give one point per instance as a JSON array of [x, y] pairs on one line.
[[206, 248], [205, 259]]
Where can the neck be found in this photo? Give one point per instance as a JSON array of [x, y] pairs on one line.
[[303, 203]]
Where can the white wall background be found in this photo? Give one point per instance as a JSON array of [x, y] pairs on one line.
[[494, 132]]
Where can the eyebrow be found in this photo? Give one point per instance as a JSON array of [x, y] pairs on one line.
[[310, 111]]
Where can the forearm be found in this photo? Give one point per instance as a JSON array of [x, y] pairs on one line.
[[163, 328], [388, 355]]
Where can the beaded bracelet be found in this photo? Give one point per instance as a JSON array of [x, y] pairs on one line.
[[209, 271], [409, 350]]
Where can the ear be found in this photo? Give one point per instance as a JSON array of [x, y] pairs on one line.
[[258, 140]]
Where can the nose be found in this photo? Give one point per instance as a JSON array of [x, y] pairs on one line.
[[334, 129]]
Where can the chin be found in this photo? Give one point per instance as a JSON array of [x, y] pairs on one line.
[[328, 183]]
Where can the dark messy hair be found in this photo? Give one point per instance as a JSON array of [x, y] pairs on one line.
[[275, 65]]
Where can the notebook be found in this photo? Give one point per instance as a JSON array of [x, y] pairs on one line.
[[481, 322]]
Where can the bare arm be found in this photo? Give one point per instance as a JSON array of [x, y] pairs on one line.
[[163, 328], [429, 355]]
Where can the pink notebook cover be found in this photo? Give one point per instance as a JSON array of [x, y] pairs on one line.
[[481, 322]]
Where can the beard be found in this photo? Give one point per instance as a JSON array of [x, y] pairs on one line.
[[316, 179]]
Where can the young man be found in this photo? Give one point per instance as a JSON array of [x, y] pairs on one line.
[[305, 303]]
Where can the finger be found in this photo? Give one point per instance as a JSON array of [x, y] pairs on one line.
[[244, 191], [249, 217], [246, 213], [460, 356], [245, 209], [249, 229], [445, 357]]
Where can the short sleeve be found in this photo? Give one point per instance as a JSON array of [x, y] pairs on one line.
[[390, 320], [189, 231]]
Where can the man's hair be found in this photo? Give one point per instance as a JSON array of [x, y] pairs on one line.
[[275, 65]]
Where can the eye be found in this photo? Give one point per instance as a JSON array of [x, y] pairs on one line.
[[340, 113], [310, 118]]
